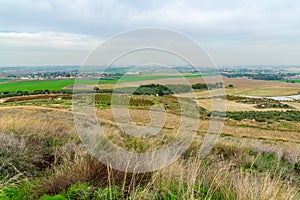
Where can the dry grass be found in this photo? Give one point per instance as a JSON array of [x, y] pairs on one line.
[[78, 166], [37, 121], [294, 104], [262, 134], [217, 177], [50, 136], [233, 106], [193, 179]]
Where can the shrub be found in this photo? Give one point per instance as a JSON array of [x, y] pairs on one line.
[[108, 193], [79, 191], [14, 192]]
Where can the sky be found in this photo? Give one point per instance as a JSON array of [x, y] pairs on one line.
[[234, 32]]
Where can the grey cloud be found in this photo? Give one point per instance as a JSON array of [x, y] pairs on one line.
[[217, 24]]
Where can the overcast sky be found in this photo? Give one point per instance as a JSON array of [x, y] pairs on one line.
[[54, 32]]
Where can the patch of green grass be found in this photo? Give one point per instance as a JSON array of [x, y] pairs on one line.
[[12, 192], [268, 162], [262, 116], [79, 191], [171, 190], [85, 191]]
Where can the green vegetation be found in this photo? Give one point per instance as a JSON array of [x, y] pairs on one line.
[[188, 178], [207, 86], [60, 84], [85, 191], [105, 101], [160, 90], [260, 102], [31, 86], [16, 192], [265, 116], [45, 159], [293, 81], [153, 89]]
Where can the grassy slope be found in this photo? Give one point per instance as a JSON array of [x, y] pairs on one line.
[[229, 172]]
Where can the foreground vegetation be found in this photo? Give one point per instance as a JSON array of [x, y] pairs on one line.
[[230, 172], [46, 160]]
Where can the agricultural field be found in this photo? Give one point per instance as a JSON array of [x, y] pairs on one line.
[[241, 86], [42, 156], [294, 104], [238, 106], [67, 83], [248, 152], [37, 85]]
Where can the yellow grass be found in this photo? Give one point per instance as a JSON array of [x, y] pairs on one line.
[[260, 91], [31, 119], [187, 176], [235, 106], [294, 104]]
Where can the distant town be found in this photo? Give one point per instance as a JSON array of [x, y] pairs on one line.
[[288, 74]]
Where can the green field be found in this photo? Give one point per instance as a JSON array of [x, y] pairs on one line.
[[36, 85], [60, 84], [296, 81]]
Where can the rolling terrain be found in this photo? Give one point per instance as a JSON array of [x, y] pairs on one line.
[[42, 157]]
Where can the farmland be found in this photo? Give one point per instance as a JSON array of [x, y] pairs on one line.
[[37, 85], [244, 148], [43, 157], [29, 86], [241, 86]]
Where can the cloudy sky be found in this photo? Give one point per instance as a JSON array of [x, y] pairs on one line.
[[54, 32]]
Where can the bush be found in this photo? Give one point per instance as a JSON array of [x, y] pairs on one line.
[[84, 191], [108, 193], [79, 191], [16, 193]]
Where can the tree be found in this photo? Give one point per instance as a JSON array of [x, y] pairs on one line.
[[96, 89]]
